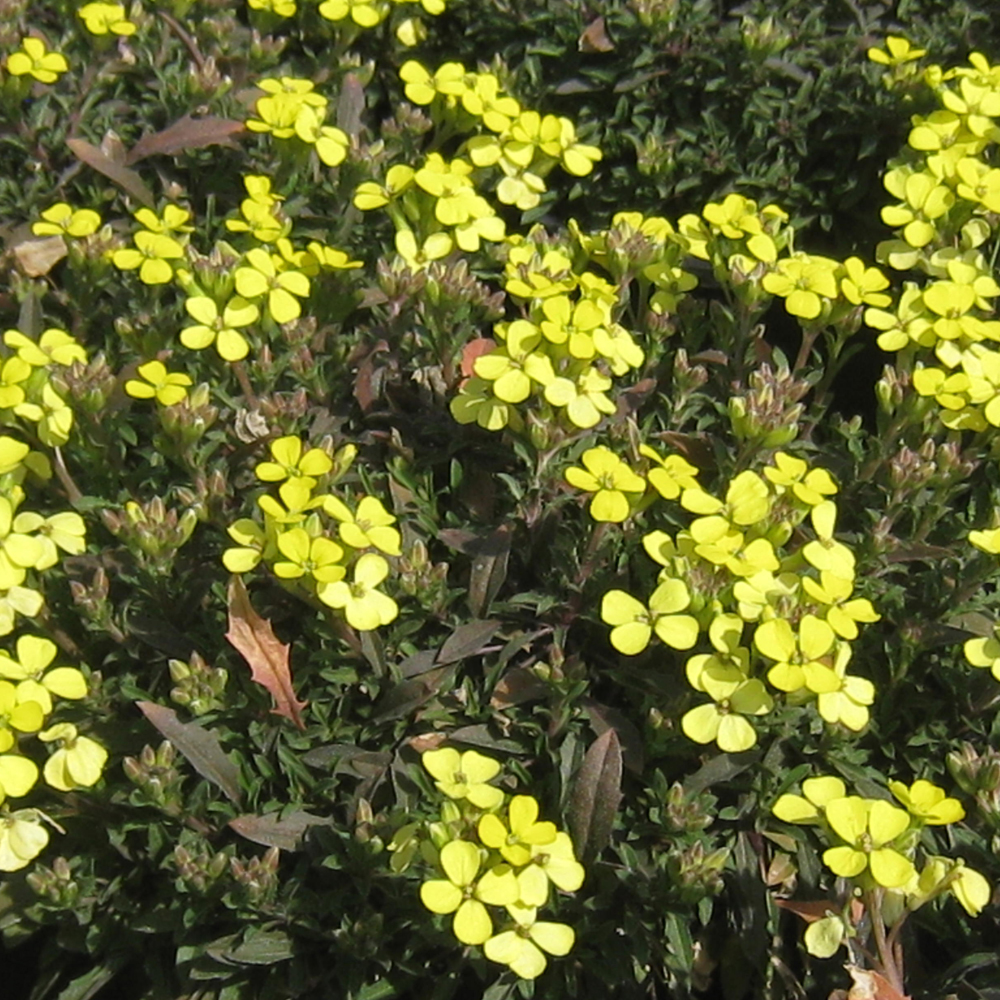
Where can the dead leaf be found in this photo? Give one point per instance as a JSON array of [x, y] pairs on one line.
[[869, 985], [285, 833], [475, 349], [128, 180], [254, 638], [595, 37], [200, 747], [37, 257], [186, 133], [596, 794], [429, 741]]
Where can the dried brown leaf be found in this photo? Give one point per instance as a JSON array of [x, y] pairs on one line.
[[254, 638], [37, 257]]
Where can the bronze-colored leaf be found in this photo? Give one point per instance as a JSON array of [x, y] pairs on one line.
[[595, 797], [467, 640], [595, 37], [516, 686], [604, 717], [187, 133], [407, 696], [489, 570], [284, 832], [128, 180], [200, 747], [37, 257], [254, 638]]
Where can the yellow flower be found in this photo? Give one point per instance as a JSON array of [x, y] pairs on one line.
[[817, 792], [463, 894], [927, 802], [370, 526], [634, 622], [53, 347], [797, 654], [250, 539], [525, 832], [151, 254], [464, 775], [261, 276], [304, 555], [722, 720], [289, 462], [868, 827], [364, 13], [22, 836], [365, 607], [34, 60], [62, 219], [77, 763], [35, 681], [522, 948], [609, 478], [899, 51], [825, 553], [220, 329], [167, 388], [16, 713], [106, 18]]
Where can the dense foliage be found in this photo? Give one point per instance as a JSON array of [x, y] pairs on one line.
[[498, 500]]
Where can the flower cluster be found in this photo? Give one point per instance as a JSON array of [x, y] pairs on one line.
[[948, 194], [559, 359], [343, 566], [875, 844], [28, 684], [292, 109], [228, 292], [26, 387], [491, 850], [370, 13], [436, 206], [770, 611]]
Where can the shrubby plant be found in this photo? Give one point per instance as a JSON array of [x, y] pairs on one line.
[[440, 554]]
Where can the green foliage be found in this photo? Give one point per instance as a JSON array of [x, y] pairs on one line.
[[419, 475]]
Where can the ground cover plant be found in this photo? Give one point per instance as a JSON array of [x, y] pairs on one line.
[[499, 500]]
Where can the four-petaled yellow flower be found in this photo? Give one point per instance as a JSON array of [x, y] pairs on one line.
[[463, 893], [609, 478], [365, 607], [525, 832], [62, 219], [168, 388], [33, 59], [79, 761], [261, 276], [289, 462], [868, 827], [106, 18], [464, 775], [220, 329], [152, 255]]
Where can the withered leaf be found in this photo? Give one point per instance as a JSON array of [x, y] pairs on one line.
[[254, 638], [186, 133], [285, 833], [596, 794], [128, 180], [200, 747], [595, 37], [37, 257]]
